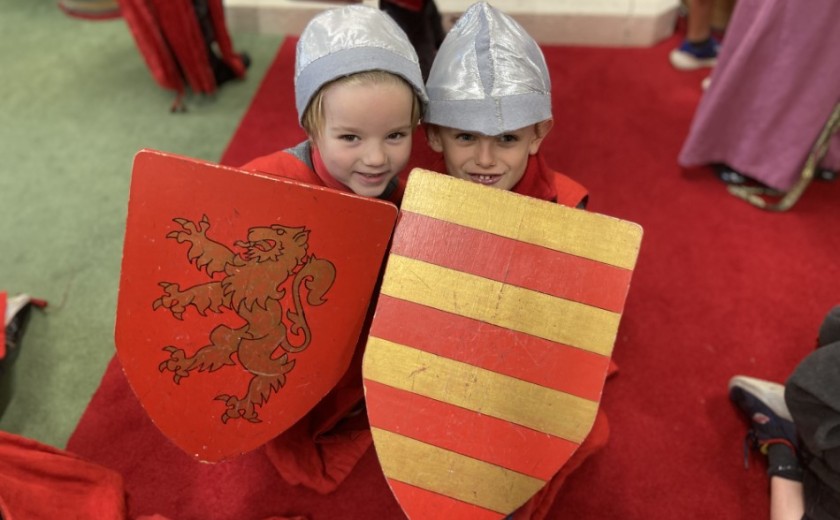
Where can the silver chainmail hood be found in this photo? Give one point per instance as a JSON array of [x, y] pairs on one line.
[[346, 40], [489, 76]]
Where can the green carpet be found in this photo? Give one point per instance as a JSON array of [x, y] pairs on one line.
[[76, 103]]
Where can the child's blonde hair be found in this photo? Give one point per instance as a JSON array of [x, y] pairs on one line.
[[314, 117]]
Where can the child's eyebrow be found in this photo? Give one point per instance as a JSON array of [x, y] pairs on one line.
[[344, 128]]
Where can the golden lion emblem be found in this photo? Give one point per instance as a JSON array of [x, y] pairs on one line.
[[252, 284]]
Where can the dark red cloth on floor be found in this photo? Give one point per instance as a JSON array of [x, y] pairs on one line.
[[539, 506], [160, 478], [39, 482], [322, 448]]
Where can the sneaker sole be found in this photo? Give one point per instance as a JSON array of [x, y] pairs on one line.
[[685, 61], [770, 393]]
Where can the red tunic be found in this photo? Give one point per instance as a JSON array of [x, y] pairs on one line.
[[40, 481], [321, 449]]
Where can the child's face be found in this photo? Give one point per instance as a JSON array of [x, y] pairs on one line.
[[366, 137], [498, 161]]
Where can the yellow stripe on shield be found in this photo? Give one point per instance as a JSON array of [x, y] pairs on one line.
[[484, 391], [561, 228], [479, 483], [571, 323]]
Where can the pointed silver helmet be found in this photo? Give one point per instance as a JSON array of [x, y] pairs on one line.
[[489, 76], [346, 40]]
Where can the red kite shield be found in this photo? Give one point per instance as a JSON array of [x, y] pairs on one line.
[[490, 344], [242, 297]]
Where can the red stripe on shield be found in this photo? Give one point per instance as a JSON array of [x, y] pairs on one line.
[[487, 434], [522, 264], [428, 504], [533, 359]]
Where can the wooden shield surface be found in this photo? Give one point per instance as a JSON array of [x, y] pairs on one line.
[[490, 344], [241, 299]]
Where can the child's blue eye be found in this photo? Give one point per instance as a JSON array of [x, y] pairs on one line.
[[465, 137], [508, 138]]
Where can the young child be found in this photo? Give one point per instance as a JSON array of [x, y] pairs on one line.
[[489, 113], [490, 118], [359, 94], [797, 426]]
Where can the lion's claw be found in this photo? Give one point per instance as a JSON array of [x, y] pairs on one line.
[[177, 363], [238, 409], [174, 299]]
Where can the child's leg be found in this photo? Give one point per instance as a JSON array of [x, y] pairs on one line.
[[698, 49], [699, 21], [786, 499], [772, 433], [812, 394]]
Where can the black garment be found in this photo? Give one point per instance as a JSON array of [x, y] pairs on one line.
[[812, 394], [222, 72], [424, 29]]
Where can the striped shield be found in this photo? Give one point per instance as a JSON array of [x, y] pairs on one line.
[[490, 344]]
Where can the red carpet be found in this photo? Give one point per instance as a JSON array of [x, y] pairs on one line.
[[721, 288]]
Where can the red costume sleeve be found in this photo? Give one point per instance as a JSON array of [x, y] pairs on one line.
[[322, 448]]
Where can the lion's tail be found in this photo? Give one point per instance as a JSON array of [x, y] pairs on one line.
[[317, 275]]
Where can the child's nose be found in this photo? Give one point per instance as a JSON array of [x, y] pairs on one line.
[[485, 155], [375, 154]]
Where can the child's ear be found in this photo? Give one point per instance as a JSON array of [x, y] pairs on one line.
[[541, 130], [433, 137]]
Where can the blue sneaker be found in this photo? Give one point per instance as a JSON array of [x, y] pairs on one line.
[[690, 56], [763, 404]]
